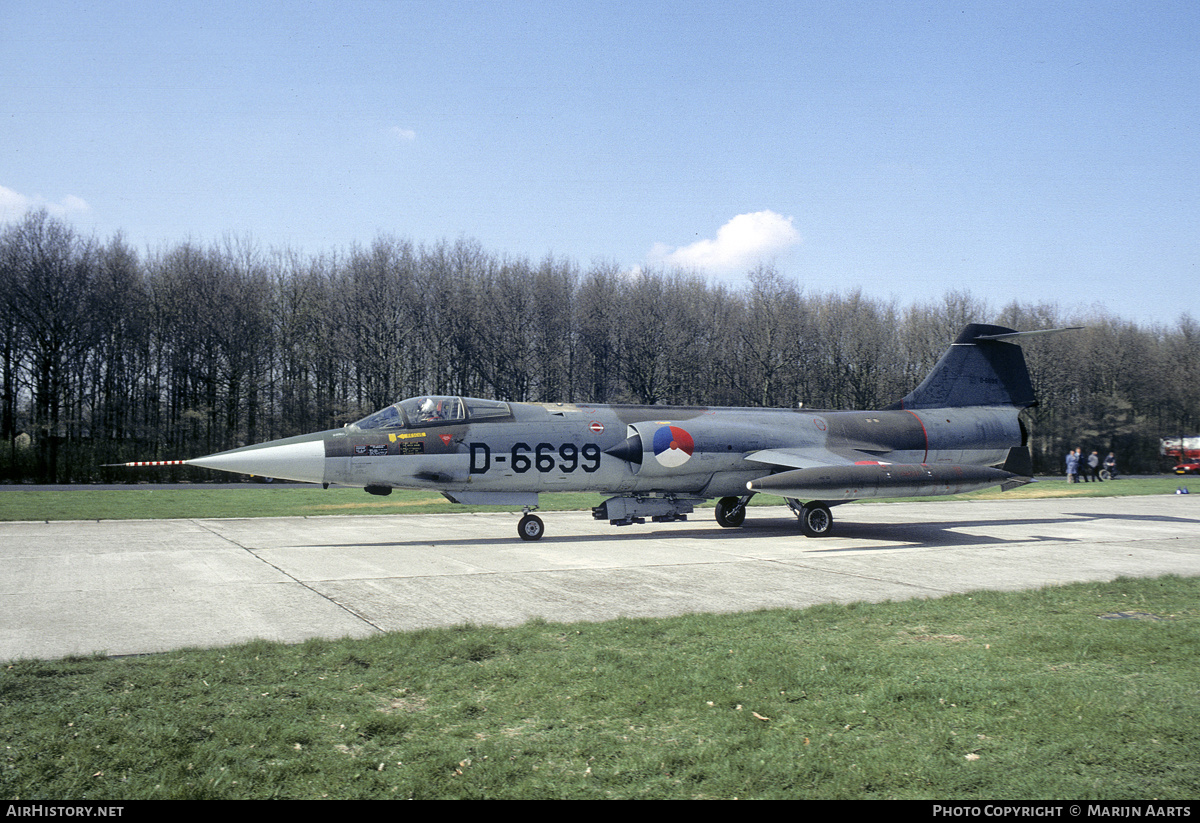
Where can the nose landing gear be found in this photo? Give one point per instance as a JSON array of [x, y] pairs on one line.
[[531, 527]]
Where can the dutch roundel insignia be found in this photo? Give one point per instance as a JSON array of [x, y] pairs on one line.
[[673, 446]]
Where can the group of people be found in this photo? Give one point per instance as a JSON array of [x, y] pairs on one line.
[[1089, 468]]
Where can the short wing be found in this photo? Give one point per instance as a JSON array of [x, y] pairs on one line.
[[812, 458]]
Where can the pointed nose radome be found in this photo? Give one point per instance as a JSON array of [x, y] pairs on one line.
[[304, 461]]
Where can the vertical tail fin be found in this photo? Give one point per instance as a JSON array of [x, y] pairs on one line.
[[979, 369]]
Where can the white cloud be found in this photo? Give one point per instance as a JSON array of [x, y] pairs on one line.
[[73, 203], [743, 242], [14, 205], [407, 135], [11, 204]]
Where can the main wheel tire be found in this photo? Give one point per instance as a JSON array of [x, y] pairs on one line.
[[531, 527], [729, 515], [816, 520]]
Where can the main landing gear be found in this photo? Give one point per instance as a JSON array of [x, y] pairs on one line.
[[731, 511], [815, 518]]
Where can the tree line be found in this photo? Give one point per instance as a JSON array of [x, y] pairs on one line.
[[111, 355]]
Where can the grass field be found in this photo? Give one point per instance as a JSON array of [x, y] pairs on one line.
[[1088, 691], [136, 502]]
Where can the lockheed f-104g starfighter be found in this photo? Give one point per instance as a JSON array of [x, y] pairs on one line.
[[958, 431]]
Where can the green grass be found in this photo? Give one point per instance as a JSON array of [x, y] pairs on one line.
[[1059, 487], [83, 503], [1027, 695]]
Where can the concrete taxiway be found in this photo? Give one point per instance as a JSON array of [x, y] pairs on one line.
[[132, 587]]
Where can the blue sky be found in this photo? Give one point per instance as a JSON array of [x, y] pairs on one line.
[[1032, 151]]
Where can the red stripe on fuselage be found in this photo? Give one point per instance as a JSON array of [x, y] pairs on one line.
[[923, 432]]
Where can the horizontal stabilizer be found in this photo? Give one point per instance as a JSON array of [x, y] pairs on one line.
[[1012, 335], [879, 480]]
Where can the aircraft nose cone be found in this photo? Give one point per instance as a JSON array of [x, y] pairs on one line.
[[303, 461]]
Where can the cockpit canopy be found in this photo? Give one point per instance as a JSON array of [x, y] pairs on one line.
[[434, 410]]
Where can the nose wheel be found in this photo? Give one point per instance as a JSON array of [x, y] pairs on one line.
[[531, 527]]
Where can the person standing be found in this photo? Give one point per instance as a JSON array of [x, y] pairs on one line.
[[1073, 466], [1110, 465], [1094, 467]]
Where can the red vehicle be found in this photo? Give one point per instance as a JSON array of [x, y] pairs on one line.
[[1185, 450]]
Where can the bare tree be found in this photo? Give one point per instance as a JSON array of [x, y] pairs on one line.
[[50, 298]]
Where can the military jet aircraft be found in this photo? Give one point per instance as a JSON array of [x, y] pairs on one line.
[[958, 431]]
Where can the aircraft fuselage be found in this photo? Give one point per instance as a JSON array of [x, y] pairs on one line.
[[706, 452]]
